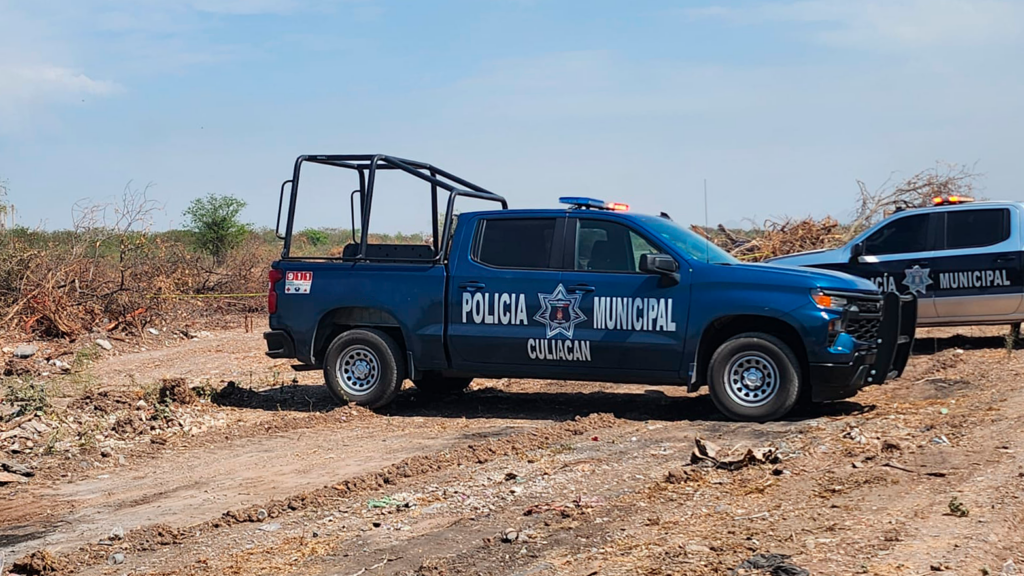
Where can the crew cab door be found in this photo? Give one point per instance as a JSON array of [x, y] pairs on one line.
[[494, 288], [898, 257], [978, 270], [631, 320]]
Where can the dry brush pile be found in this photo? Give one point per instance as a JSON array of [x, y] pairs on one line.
[[781, 236], [111, 272]]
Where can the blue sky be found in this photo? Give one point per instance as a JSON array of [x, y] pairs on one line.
[[780, 105]]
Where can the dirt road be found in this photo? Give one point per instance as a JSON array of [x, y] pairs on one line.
[[524, 477]]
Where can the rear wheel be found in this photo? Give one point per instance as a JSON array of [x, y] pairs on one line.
[[437, 384], [364, 366], [754, 377]]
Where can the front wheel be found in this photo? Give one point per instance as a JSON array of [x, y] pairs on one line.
[[364, 366], [754, 377]]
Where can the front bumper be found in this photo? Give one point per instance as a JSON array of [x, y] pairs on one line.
[[873, 362], [279, 344]]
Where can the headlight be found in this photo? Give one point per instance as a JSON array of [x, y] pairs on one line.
[[828, 301]]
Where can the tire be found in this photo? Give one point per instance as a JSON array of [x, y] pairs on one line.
[[364, 366], [754, 377], [437, 384]]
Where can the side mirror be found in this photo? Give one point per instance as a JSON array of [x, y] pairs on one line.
[[856, 251], [662, 264]]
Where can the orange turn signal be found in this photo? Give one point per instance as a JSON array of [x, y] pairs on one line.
[[823, 300], [618, 206]]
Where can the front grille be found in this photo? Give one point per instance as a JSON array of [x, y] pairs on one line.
[[864, 329], [869, 307]]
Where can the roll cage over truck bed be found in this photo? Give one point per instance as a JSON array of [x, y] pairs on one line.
[[366, 166]]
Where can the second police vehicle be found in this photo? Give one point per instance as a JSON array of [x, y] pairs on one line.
[[589, 291], [961, 259]]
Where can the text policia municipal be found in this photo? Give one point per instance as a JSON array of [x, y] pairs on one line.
[[610, 313]]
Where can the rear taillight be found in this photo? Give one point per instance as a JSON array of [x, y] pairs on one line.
[[275, 276]]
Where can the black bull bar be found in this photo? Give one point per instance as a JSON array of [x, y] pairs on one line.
[[896, 335]]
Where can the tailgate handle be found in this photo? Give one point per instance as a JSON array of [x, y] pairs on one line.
[[472, 285], [581, 288]]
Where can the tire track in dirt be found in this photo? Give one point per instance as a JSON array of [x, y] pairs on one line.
[[154, 537]]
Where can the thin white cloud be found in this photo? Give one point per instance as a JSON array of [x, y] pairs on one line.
[[888, 24]]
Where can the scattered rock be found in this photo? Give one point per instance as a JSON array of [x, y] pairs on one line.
[[106, 452], [272, 527], [680, 476], [698, 549], [25, 351], [941, 441], [509, 535], [117, 534], [9, 478], [177, 390], [261, 514], [15, 468], [105, 344], [115, 559], [38, 563], [855, 435], [1009, 569], [153, 331], [774, 564], [890, 446], [122, 461]]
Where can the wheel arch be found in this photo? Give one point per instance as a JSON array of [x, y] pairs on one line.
[[724, 328], [339, 320]]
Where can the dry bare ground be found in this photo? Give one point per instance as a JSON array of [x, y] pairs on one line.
[[268, 476]]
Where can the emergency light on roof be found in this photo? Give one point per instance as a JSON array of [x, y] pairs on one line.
[[581, 203], [947, 200]]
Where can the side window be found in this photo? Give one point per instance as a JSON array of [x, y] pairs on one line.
[[603, 246], [516, 243], [901, 236], [977, 228]]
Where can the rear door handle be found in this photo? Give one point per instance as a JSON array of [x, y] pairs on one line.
[[472, 285], [578, 288]]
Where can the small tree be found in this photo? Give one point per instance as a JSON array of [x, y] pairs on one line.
[[315, 236], [213, 221]]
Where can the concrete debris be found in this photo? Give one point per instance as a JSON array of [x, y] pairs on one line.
[[115, 559], [105, 344], [1009, 569], [272, 527], [117, 533], [25, 351]]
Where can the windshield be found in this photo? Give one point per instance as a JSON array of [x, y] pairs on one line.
[[691, 244]]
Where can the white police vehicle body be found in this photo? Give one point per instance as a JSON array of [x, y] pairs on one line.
[[961, 259]]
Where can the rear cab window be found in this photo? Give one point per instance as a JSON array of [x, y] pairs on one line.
[[977, 228], [519, 243]]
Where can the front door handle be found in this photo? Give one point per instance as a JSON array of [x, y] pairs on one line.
[[579, 288], [922, 264], [472, 285], [1004, 258]]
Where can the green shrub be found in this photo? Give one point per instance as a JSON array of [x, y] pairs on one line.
[[214, 224]]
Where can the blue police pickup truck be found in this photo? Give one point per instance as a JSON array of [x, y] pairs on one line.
[[587, 292], [963, 260]]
